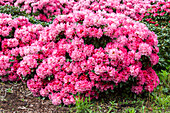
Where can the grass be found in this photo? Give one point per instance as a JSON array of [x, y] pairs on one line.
[[83, 105], [9, 90], [156, 102]]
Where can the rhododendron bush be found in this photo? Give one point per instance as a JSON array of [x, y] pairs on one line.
[[84, 52], [45, 9]]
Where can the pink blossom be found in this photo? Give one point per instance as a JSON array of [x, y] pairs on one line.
[[35, 86], [145, 49], [137, 89], [99, 69], [83, 85], [134, 70], [44, 92], [23, 70], [154, 58], [56, 98]]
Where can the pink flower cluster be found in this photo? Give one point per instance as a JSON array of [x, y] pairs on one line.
[[28, 34], [4, 20], [57, 62], [6, 23], [47, 8], [8, 67], [145, 77], [6, 2], [9, 63], [160, 6]]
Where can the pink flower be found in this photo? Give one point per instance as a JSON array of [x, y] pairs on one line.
[[94, 77], [12, 42], [35, 86], [23, 70], [76, 69], [149, 87], [29, 61], [155, 14], [13, 77], [99, 69], [56, 98], [111, 71], [141, 78], [84, 66], [137, 56], [145, 49], [147, 14], [156, 25], [161, 14], [77, 55], [134, 70], [44, 71], [154, 58], [83, 85], [137, 89], [44, 92], [88, 49]]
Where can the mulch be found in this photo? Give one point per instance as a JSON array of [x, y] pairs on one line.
[[16, 98]]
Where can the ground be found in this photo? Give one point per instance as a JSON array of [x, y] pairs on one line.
[[16, 98]]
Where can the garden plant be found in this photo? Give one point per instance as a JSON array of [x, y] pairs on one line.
[[74, 51]]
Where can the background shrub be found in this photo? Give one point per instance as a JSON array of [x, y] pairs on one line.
[[157, 19], [163, 44], [16, 12]]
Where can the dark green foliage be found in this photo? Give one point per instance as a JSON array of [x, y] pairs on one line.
[[35, 21], [163, 44], [14, 11], [160, 20], [102, 42], [164, 77]]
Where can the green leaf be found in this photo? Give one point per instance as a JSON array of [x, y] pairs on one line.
[[11, 60], [93, 71]]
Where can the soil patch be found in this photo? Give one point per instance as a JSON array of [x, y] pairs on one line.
[[17, 98]]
